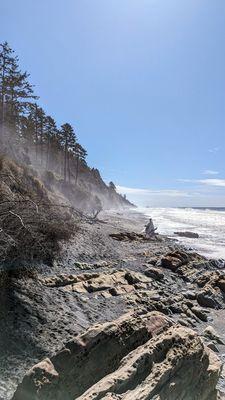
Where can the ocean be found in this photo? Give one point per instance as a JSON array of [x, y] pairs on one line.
[[209, 223]]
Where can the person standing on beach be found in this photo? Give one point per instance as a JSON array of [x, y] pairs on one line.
[[150, 229]]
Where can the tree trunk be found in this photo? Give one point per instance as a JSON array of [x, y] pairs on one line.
[[3, 97], [48, 153], [41, 140], [68, 168], [77, 167], [65, 160], [36, 132]]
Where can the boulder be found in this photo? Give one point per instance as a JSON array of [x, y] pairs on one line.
[[211, 333], [187, 234], [213, 347], [89, 357], [155, 274], [165, 369], [174, 260], [189, 294], [206, 298], [171, 263], [137, 357], [199, 313], [221, 284]]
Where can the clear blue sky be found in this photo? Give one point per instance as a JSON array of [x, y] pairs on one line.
[[142, 81]]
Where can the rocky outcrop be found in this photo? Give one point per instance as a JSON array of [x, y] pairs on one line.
[[187, 234], [128, 237], [193, 268], [135, 357]]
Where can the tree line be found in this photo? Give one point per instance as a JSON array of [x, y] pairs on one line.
[[26, 123]]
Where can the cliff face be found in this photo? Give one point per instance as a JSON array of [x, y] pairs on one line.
[[38, 208], [85, 189], [92, 183], [89, 194]]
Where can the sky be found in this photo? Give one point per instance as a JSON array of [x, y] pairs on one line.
[[142, 82]]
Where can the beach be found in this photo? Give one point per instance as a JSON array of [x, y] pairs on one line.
[[208, 223], [85, 286]]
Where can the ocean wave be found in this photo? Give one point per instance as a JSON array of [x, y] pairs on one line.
[[208, 223]]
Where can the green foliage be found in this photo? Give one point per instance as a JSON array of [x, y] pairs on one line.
[[24, 122], [112, 186]]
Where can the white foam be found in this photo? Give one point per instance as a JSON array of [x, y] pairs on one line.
[[209, 224]]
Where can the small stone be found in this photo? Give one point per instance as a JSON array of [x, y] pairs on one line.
[[221, 284], [205, 299], [200, 313], [190, 295], [154, 273], [211, 333], [213, 347], [183, 322]]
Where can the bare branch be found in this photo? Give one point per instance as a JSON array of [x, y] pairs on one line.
[[16, 215]]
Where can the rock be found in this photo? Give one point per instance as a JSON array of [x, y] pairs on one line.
[[175, 309], [153, 260], [190, 295], [129, 237], [115, 282], [37, 379], [213, 347], [135, 357], [173, 260], [199, 313], [135, 277], [183, 322], [221, 284], [187, 234], [155, 274], [147, 374], [211, 333], [89, 357], [206, 298], [171, 263]]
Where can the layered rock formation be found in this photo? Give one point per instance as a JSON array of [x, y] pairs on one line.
[[52, 307], [203, 273], [137, 357]]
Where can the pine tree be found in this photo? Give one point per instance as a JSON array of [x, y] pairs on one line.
[[68, 140], [80, 154], [15, 90], [112, 186], [51, 132], [39, 118]]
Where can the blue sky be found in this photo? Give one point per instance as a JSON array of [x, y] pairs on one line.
[[143, 83]]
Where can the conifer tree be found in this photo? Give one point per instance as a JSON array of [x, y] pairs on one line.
[[51, 132], [68, 140], [80, 154], [15, 90]]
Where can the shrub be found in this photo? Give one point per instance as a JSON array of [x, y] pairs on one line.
[[31, 226]]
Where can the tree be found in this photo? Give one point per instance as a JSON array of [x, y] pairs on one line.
[[51, 132], [39, 118], [15, 90], [112, 186], [80, 155], [68, 140], [28, 123], [97, 207]]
